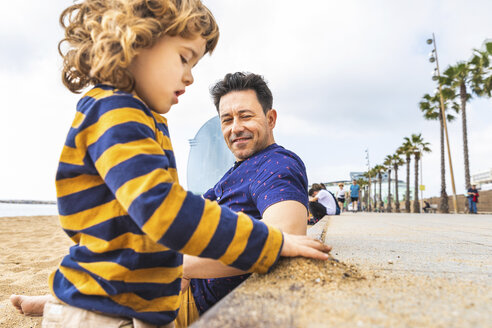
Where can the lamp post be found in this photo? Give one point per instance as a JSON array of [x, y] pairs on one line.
[[433, 58]]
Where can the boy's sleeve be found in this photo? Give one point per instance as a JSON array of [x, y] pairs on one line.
[[123, 147]]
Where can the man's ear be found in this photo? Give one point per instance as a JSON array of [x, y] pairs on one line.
[[271, 116]]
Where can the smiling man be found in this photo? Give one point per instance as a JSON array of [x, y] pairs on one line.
[[267, 181]]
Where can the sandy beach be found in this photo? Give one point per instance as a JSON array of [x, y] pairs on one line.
[[30, 249]]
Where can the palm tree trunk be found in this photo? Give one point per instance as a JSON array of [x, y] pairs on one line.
[[369, 200], [397, 201], [388, 208], [407, 200], [465, 135], [416, 205], [375, 197], [443, 203], [380, 180]]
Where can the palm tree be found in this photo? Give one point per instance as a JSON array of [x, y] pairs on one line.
[[487, 84], [431, 107], [482, 71], [368, 175], [388, 162], [461, 78], [393, 162], [363, 192], [397, 162], [374, 199], [379, 169], [406, 149], [418, 146]]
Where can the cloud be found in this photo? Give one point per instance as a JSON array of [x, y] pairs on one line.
[[346, 76]]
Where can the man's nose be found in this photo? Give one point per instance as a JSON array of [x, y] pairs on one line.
[[237, 126]]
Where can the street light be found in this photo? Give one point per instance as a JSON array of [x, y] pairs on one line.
[[433, 58]]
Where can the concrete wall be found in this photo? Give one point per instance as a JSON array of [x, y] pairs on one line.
[[484, 204]]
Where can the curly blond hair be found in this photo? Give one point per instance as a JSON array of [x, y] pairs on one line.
[[103, 36]]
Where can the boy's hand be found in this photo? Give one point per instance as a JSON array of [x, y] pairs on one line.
[[304, 246]]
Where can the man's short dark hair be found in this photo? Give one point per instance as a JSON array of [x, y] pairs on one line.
[[240, 81]]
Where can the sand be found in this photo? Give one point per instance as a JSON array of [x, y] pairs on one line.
[[30, 249]]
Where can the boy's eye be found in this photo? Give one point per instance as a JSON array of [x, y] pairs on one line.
[[183, 60]]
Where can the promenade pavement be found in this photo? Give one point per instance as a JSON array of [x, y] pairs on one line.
[[423, 270], [433, 245], [388, 270]]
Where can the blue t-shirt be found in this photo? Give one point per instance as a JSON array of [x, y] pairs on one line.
[[272, 175], [354, 191]]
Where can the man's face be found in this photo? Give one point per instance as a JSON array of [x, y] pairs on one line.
[[354, 182], [246, 129]]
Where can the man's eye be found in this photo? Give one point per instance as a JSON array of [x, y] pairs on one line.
[[183, 60], [227, 120]]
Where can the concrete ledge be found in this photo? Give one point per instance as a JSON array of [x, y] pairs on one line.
[[283, 297]]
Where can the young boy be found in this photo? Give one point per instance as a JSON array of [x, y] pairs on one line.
[[119, 198]]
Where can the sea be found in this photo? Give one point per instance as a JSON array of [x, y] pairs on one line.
[[8, 209]]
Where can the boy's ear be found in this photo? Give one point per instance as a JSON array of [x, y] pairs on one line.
[[271, 116]]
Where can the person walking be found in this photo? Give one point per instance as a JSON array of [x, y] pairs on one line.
[[354, 195], [341, 196]]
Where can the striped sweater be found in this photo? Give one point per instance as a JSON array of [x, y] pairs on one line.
[[120, 202]]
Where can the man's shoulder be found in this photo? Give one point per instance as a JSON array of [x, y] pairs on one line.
[[278, 155]]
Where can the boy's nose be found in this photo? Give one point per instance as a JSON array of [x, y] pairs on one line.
[[188, 77]]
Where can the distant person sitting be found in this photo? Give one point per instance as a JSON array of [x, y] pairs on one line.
[[472, 199], [426, 207], [321, 202]]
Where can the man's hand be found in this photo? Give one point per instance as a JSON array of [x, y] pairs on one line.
[[185, 283], [304, 246]]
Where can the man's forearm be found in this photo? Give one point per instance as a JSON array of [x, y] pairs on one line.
[[289, 216], [203, 268]]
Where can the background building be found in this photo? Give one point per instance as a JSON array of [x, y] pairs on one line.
[[483, 179], [209, 157], [333, 186]]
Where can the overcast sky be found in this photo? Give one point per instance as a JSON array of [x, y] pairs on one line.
[[346, 76]]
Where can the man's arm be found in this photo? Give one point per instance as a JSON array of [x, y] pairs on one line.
[[289, 216]]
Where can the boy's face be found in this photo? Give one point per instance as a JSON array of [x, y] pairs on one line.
[[164, 71], [245, 127]]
